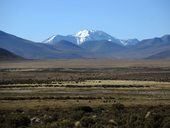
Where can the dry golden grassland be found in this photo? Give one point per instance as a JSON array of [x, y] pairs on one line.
[[88, 92]]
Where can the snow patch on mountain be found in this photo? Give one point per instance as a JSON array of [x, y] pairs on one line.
[[50, 39], [129, 42]]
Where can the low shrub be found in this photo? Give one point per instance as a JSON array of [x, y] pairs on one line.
[[18, 120], [87, 122], [85, 109]]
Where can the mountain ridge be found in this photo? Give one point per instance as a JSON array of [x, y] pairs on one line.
[[83, 36], [64, 49]]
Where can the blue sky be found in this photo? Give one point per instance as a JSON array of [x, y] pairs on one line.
[[38, 19]]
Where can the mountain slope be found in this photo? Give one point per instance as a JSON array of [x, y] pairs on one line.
[[70, 48], [57, 38], [6, 55], [148, 47], [29, 49], [103, 49], [161, 55], [67, 46], [24, 48]]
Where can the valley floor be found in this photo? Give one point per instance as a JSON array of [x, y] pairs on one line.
[[85, 93]]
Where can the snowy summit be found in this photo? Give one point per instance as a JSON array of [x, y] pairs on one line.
[[87, 35], [82, 36], [92, 35]]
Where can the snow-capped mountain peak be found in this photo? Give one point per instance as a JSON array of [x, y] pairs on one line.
[[93, 35], [82, 36], [83, 33], [89, 35]]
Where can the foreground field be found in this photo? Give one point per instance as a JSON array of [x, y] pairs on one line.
[[89, 92], [85, 94], [112, 116]]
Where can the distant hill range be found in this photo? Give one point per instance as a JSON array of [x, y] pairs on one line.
[[85, 44]]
